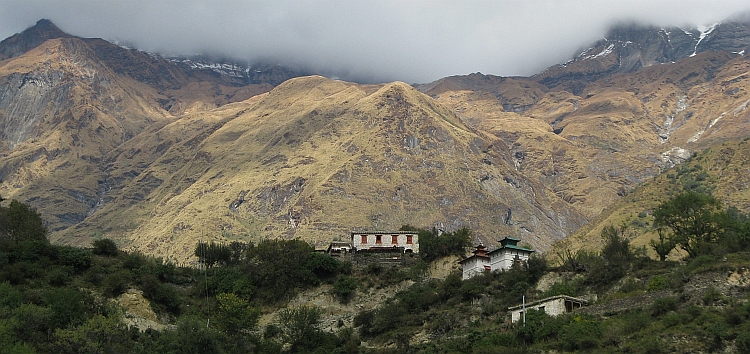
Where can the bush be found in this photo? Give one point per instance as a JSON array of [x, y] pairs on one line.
[[235, 315], [743, 341], [569, 288], [344, 288], [105, 247], [59, 276], [77, 258], [433, 245], [301, 327], [657, 282], [663, 305], [116, 284], [582, 333], [160, 294]]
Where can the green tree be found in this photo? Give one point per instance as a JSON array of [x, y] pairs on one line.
[[235, 315], [615, 257], [301, 327], [98, 334], [105, 247], [280, 266], [21, 222], [213, 254], [663, 246], [344, 288], [434, 244], [696, 221]]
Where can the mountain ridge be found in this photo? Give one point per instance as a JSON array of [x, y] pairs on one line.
[[158, 153]]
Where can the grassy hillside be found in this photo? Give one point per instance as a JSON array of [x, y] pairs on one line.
[[69, 300], [721, 170]]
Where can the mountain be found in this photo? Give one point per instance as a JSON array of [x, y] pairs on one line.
[[594, 128], [67, 101], [158, 153], [317, 158], [629, 47]]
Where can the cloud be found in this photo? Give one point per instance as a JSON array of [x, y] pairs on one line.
[[373, 41]]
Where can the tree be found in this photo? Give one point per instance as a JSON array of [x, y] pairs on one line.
[[433, 244], [616, 257], [663, 246], [301, 327], [344, 288], [212, 254], [695, 219], [105, 247], [21, 222], [235, 315]]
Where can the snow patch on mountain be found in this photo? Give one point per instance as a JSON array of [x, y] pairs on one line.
[[705, 31]]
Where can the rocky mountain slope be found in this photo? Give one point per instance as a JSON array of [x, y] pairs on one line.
[[316, 158], [157, 153], [593, 135]]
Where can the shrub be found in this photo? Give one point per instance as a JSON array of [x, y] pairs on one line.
[[21, 223], [160, 294], [743, 341], [323, 265], [213, 254], [657, 282], [344, 288], [635, 321], [569, 288], [712, 296], [59, 276], [116, 284], [433, 244], [582, 333], [77, 258], [105, 247], [301, 327], [630, 285], [663, 305], [365, 320], [235, 315]]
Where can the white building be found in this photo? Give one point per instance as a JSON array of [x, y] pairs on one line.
[[477, 263], [339, 247], [382, 240], [501, 258], [553, 306]]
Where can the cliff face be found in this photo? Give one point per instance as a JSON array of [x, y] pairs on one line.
[[629, 47]]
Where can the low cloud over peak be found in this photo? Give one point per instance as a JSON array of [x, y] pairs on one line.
[[374, 41]]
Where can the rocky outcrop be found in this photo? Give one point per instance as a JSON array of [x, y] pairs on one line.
[[29, 39], [630, 47]]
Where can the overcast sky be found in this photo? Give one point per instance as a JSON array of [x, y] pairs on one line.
[[408, 40]]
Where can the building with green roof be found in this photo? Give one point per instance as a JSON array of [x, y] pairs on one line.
[[502, 258]]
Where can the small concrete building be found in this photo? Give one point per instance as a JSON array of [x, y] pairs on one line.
[[501, 258], [476, 263], [339, 247], [553, 306], [380, 240]]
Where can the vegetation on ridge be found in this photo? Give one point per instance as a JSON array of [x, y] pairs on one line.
[[61, 299]]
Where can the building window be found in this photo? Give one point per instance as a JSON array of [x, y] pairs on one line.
[[408, 239], [378, 238], [364, 239], [394, 239]]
